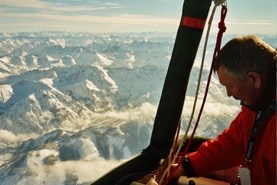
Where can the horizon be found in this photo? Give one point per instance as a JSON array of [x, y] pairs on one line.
[[127, 16]]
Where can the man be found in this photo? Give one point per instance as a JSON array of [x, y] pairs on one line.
[[246, 66]]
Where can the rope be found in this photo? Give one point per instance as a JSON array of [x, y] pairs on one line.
[[222, 29], [162, 174]]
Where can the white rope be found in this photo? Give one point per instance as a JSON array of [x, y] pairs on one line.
[[216, 3]]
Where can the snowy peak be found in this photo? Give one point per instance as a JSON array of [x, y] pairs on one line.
[[70, 102], [6, 92]]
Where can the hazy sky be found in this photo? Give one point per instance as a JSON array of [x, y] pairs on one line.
[[243, 16]]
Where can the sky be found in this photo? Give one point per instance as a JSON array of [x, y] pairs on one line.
[[243, 16]]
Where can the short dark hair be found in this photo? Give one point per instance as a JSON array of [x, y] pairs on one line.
[[244, 54]]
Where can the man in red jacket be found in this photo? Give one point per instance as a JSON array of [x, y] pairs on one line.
[[246, 66]]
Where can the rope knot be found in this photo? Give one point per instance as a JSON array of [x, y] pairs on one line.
[[219, 2]]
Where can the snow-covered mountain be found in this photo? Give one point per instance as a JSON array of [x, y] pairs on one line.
[[74, 105]]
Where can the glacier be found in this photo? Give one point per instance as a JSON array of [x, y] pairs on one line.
[[74, 105]]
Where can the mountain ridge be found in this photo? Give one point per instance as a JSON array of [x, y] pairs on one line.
[[81, 99]]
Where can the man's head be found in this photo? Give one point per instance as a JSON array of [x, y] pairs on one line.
[[246, 66]]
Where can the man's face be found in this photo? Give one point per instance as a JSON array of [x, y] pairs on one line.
[[247, 90]]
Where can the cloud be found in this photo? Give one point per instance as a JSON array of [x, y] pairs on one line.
[[36, 15], [7, 137], [56, 174], [91, 23], [119, 19], [249, 22], [22, 3], [104, 16], [20, 6]]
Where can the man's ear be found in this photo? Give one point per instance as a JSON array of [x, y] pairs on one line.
[[255, 78]]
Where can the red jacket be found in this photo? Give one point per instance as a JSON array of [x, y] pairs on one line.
[[229, 148]]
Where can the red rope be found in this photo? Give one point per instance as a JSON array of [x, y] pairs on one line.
[[222, 29]]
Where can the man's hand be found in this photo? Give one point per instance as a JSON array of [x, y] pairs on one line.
[[177, 171]]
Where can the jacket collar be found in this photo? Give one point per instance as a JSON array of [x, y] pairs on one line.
[[260, 107]]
